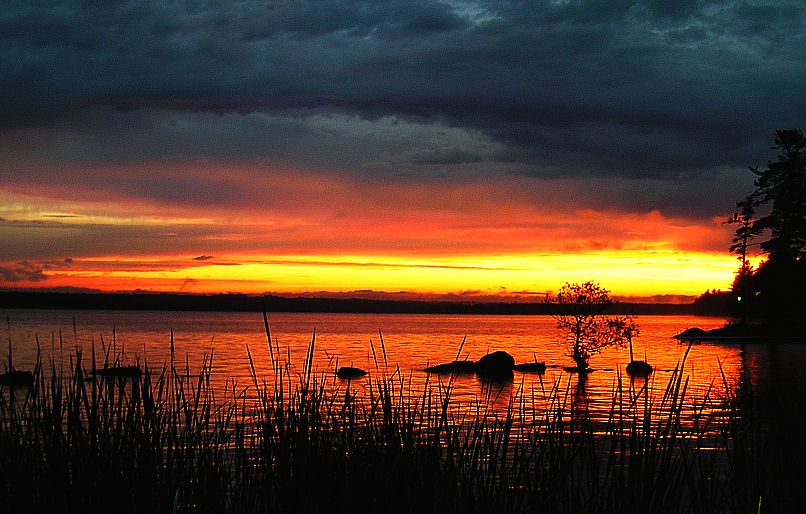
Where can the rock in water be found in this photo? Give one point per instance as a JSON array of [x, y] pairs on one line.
[[639, 369], [691, 334], [453, 367], [124, 372], [495, 365], [531, 367], [17, 379], [581, 371], [350, 372]]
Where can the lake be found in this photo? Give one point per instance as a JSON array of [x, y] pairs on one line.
[[411, 342]]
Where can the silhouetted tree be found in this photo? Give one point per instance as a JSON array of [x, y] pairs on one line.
[[715, 303], [582, 319], [782, 186], [781, 192], [746, 231]]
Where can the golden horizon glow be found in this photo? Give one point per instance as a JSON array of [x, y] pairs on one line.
[[423, 239], [623, 273]]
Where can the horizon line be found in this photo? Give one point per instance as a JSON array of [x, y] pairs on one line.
[[472, 297]]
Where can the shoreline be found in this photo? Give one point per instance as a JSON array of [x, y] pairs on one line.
[[274, 303], [737, 333]]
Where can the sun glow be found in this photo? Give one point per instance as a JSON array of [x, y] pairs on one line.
[[463, 239], [625, 273]]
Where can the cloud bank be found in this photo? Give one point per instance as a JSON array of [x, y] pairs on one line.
[[206, 128]]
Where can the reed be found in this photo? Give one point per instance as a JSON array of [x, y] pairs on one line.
[[169, 441]]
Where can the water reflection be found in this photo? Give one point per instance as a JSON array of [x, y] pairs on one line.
[[580, 407], [411, 342], [497, 393]]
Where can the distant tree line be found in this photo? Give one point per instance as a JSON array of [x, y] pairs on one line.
[[274, 303]]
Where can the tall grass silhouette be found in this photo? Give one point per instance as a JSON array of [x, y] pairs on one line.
[[295, 440]]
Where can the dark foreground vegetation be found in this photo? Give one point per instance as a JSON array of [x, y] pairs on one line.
[[78, 440]]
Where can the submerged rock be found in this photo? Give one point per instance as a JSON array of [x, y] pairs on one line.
[[575, 369], [350, 372], [530, 367], [130, 372], [692, 333], [17, 379], [639, 369], [496, 364], [453, 367]]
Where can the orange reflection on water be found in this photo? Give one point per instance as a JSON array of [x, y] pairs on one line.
[[411, 342]]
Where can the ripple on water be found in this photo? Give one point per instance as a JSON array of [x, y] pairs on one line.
[[410, 343]]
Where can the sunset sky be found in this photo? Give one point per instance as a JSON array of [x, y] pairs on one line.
[[474, 148]]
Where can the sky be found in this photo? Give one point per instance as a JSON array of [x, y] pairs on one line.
[[426, 147]]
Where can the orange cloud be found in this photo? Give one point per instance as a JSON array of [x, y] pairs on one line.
[[275, 229]]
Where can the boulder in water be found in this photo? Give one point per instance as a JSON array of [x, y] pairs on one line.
[[494, 365], [17, 379], [639, 369], [453, 367], [350, 372]]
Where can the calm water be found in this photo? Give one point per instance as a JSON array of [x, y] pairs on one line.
[[412, 342]]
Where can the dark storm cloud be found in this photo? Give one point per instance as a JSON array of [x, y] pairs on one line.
[[22, 271], [39, 246], [28, 271], [652, 90]]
